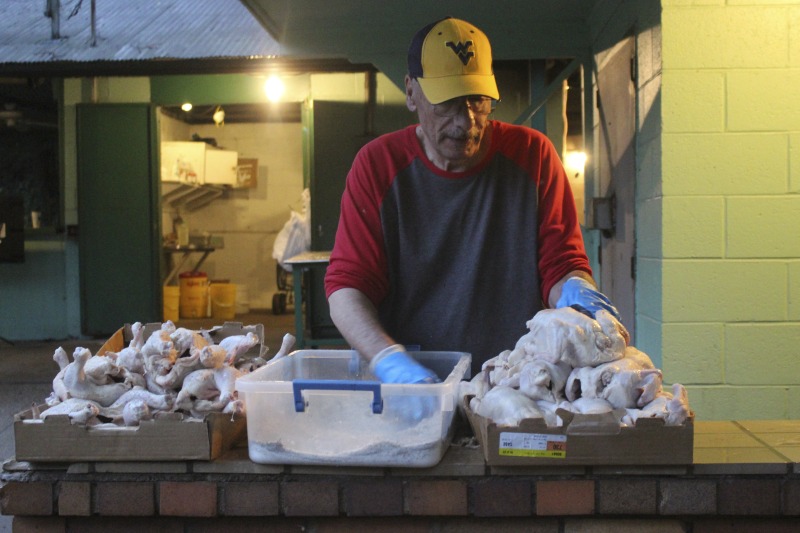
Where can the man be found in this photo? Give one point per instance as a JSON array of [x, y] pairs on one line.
[[456, 231]]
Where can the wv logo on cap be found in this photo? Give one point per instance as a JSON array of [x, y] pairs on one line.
[[462, 50]]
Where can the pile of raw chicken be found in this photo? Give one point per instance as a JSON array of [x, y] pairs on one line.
[[172, 370], [573, 362]]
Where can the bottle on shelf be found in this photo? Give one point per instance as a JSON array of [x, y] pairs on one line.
[[181, 231]]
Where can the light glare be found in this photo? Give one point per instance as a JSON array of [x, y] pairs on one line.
[[274, 88]]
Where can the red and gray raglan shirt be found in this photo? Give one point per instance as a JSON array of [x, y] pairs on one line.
[[457, 261]]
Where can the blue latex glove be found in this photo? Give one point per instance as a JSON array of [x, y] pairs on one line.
[[584, 297], [394, 365], [399, 367]]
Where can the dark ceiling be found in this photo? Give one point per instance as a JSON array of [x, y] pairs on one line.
[[238, 113]]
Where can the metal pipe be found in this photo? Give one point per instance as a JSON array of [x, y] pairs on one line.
[[371, 82], [94, 24], [53, 10]]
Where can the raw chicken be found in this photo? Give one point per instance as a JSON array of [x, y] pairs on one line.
[[173, 369], [587, 406], [567, 335], [101, 370], [79, 386], [567, 355], [542, 380], [286, 346], [60, 392], [673, 408], [625, 383], [213, 356], [237, 345], [184, 340], [78, 410], [161, 402], [505, 406], [134, 412]]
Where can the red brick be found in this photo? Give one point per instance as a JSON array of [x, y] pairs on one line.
[[502, 497], [38, 524], [310, 498], [179, 498], [246, 524], [556, 498], [436, 498], [626, 496], [498, 524], [125, 499], [33, 498], [745, 525], [374, 498], [395, 524], [251, 499], [126, 524], [749, 497], [791, 497], [687, 497], [75, 498]]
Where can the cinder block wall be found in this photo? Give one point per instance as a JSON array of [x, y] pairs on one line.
[[729, 209]]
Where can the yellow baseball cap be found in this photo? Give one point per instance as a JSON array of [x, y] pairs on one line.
[[451, 58]]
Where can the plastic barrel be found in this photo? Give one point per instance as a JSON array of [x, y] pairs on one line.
[[194, 295], [172, 300], [223, 300], [242, 300]]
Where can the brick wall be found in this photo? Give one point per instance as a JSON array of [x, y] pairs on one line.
[[720, 252], [505, 499]]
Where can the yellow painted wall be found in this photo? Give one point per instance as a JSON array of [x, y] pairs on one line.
[[729, 255]]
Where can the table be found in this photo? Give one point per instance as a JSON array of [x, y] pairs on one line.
[[185, 252], [301, 263]]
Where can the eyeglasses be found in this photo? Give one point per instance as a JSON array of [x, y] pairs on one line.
[[479, 105]]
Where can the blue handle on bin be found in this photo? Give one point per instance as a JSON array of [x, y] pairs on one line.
[[299, 385]]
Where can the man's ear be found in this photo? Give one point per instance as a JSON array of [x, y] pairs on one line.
[[410, 103]]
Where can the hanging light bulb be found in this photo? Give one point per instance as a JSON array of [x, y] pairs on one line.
[[187, 106], [274, 88], [219, 116]]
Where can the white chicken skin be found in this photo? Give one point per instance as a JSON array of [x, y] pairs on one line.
[[79, 386], [569, 361], [171, 370]]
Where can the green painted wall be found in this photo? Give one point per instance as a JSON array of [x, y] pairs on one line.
[[730, 247]]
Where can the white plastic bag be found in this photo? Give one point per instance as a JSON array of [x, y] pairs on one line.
[[295, 236]]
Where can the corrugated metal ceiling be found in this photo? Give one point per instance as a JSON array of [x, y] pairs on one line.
[[132, 30]]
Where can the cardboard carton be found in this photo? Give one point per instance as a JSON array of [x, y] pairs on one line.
[[173, 437], [584, 440]]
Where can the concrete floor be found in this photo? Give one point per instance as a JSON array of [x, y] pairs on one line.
[[27, 368]]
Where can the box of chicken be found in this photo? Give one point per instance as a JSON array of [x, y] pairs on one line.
[[572, 391], [325, 407], [152, 392]]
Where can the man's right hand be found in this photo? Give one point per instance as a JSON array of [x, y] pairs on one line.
[[394, 365]]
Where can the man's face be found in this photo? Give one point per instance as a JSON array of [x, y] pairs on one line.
[[455, 143]]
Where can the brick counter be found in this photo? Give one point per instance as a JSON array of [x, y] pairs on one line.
[[732, 486]]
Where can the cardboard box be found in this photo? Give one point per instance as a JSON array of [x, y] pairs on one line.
[[56, 439], [171, 438], [584, 440]]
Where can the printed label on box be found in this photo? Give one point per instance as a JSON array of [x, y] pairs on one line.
[[533, 445]]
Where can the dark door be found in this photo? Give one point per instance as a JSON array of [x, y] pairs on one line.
[[617, 176], [337, 132], [118, 217]]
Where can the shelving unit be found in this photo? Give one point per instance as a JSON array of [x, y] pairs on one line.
[[191, 197]]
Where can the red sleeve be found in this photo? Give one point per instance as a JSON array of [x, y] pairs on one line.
[[358, 258], [561, 248]]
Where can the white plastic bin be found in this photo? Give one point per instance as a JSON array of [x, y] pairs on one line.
[[324, 407]]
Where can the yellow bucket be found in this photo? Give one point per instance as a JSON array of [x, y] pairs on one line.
[[172, 298], [194, 295], [223, 301]]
